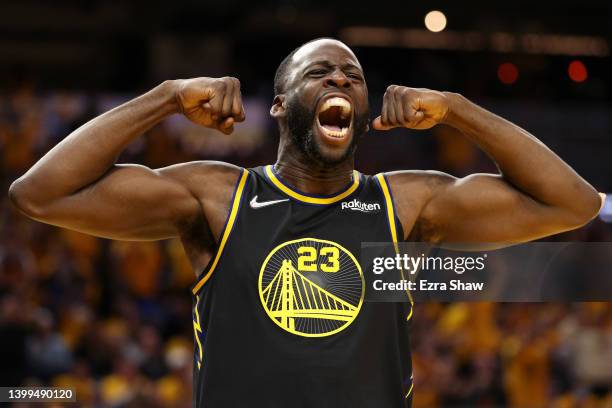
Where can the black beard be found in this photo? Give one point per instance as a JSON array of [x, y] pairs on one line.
[[300, 119]]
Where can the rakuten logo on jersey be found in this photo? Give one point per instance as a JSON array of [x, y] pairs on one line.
[[357, 205]]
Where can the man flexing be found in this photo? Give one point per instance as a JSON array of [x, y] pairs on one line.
[[321, 107]]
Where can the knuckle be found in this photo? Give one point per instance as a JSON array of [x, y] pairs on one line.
[[221, 83]]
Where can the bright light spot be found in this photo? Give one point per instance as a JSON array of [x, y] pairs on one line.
[[606, 210], [577, 71], [435, 21], [507, 73]]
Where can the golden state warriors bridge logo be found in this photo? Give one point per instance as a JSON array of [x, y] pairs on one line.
[[311, 287]]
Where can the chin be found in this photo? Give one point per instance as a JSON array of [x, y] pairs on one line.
[[331, 151]]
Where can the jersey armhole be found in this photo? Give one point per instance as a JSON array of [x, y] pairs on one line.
[[393, 222], [225, 233], [390, 210]]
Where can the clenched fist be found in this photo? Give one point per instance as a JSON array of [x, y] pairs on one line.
[[211, 102], [413, 108]]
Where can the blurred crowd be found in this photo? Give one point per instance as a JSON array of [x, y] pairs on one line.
[[113, 319]]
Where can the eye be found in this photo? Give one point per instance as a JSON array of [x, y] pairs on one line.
[[353, 76], [317, 72]]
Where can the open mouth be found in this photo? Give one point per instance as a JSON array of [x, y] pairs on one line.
[[335, 117]]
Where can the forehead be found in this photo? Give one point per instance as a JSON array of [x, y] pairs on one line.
[[325, 47], [331, 51]]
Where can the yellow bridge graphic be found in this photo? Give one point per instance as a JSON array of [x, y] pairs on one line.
[[290, 295]]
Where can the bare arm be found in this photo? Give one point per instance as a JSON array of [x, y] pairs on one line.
[[534, 195], [77, 184]]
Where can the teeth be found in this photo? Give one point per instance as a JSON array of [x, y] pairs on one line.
[[338, 102], [339, 134]]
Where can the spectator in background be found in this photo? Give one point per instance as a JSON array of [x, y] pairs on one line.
[[47, 351], [586, 341], [14, 331]]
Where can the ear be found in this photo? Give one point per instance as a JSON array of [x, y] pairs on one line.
[[278, 106]]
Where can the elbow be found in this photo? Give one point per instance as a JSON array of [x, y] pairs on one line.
[[24, 200], [586, 208]]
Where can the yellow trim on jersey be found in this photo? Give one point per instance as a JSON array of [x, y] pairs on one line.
[[391, 218], [390, 209], [226, 231], [197, 330], [409, 389], [310, 199]]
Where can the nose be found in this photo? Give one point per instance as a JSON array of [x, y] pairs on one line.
[[337, 79]]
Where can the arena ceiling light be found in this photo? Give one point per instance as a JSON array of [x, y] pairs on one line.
[[577, 71], [507, 73], [435, 21]]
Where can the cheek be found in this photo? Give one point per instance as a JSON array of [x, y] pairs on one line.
[[298, 99], [363, 107], [308, 94], [362, 103]]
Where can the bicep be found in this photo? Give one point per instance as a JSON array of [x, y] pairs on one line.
[[130, 202], [484, 208]]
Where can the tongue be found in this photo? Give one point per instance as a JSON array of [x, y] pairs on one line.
[[332, 128]]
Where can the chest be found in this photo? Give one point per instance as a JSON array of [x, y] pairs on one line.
[[299, 262], [260, 228]]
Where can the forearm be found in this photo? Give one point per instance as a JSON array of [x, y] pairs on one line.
[[91, 150], [524, 161]]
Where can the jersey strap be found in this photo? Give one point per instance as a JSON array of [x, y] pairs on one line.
[[227, 229], [382, 181], [391, 218]]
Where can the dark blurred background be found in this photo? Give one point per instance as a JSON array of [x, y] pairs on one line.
[[113, 319]]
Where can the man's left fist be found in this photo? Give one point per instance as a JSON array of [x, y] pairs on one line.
[[413, 108]]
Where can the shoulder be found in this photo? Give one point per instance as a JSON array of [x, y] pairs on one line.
[[211, 184], [419, 184], [412, 190], [205, 177], [202, 171]]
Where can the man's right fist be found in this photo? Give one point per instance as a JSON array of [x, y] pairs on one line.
[[212, 102]]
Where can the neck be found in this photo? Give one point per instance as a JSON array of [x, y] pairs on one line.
[[311, 177]]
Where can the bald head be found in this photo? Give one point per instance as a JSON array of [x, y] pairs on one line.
[[315, 45], [306, 52]]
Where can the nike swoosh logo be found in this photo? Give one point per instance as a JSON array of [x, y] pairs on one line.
[[255, 205]]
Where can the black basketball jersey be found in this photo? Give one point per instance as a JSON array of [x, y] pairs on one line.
[[279, 313]]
